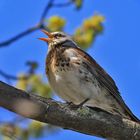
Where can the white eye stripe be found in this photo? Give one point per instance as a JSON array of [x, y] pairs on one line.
[[59, 35]]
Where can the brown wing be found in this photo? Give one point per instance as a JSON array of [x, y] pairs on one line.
[[105, 80]]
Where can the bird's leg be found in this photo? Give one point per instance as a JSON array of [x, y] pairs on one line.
[[69, 103], [79, 105], [83, 102]]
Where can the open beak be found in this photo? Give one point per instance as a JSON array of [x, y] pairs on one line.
[[50, 36]]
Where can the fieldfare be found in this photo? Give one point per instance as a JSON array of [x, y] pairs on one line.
[[77, 78]]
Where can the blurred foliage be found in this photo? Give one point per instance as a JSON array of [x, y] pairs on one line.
[[90, 28], [34, 129], [55, 23], [9, 130], [85, 35], [34, 84]]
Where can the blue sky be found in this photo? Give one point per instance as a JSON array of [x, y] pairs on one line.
[[116, 50]]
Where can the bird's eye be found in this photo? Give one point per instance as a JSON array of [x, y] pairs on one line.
[[58, 35]]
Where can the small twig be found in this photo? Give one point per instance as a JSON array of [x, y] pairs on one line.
[[11, 77], [30, 30], [40, 24], [62, 4], [32, 67], [47, 8], [15, 38]]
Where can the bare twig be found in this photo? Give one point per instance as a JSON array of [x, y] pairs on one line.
[[46, 10], [15, 38], [40, 24], [62, 4], [84, 120], [32, 67], [11, 77]]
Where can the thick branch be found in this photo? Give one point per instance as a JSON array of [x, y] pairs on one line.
[[84, 120]]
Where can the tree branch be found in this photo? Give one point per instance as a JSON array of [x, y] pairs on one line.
[[20, 35], [47, 8], [11, 77], [62, 4], [40, 24], [84, 120]]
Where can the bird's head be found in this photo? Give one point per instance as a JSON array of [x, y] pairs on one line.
[[58, 39]]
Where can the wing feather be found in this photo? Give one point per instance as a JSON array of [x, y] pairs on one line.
[[105, 80]]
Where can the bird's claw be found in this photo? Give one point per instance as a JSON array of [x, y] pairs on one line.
[[76, 106]]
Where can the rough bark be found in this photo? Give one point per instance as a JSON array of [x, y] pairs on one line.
[[85, 120]]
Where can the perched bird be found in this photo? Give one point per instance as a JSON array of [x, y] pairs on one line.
[[77, 78]]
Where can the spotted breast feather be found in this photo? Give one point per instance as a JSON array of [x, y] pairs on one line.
[[75, 76]]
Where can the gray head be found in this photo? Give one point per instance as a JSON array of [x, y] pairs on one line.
[[58, 39]]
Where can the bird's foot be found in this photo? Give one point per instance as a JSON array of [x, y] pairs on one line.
[[76, 106], [69, 103], [72, 105]]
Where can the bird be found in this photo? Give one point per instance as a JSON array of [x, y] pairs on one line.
[[77, 78]]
